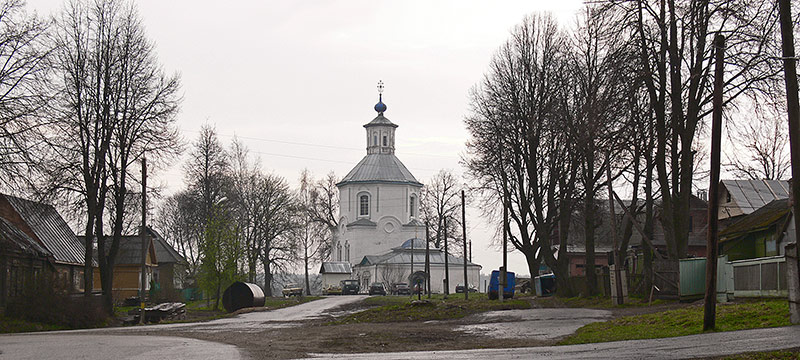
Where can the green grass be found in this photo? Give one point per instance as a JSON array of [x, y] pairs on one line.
[[685, 321], [596, 302], [11, 325], [401, 309], [780, 354]]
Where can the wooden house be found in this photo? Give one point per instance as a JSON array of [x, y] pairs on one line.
[[128, 268], [34, 238], [761, 233]]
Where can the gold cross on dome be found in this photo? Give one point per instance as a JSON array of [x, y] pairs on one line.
[[380, 86]]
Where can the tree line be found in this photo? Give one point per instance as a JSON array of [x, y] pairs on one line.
[[621, 97]]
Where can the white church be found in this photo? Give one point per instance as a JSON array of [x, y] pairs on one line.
[[379, 220]]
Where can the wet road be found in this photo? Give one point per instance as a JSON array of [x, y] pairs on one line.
[[85, 346], [535, 324], [684, 347], [256, 321], [128, 344]]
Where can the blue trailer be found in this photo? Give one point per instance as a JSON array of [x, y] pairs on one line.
[[494, 284]]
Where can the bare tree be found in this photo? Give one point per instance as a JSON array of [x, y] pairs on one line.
[[114, 105], [314, 238], [765, 141], [515, 150], [676, 55], [441, 204], [178, 220], [24, 53]]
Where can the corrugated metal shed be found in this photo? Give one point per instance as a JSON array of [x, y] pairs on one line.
[[50, 229], [380, 168], [335, 267]]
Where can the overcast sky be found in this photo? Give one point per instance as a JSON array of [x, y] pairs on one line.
[[296, 80]]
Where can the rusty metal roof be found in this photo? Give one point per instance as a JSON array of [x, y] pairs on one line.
[[380, 168], [50, 229]]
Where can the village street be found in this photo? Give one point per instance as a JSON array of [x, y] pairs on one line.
[[227, 338]]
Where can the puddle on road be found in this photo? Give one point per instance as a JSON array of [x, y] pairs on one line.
[[535, 324]]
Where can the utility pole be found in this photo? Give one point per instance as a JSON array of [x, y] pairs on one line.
[[710, 301], [143, 230], [464, 230], [501, 288], [446, 262], [793, 107], [411, 278], [427, 260], [619, 300]]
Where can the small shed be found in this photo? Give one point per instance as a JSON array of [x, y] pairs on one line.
[[335, 271], [762, 233]]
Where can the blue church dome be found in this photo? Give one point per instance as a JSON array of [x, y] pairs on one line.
[[380, 106]]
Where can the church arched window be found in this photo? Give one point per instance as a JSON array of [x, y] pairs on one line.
[[363, 205], [412, 206], [339, 251], [385, 142], [375, 139]]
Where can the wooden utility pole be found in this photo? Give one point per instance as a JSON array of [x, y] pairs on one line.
[[427, 260], [411, 279], [619, 300], [710, 302], [446, 262], [464, 230], [793, 107], [143, 233], [501, 283]]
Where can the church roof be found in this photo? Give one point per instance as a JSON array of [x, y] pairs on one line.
[[381, 168], [380, 120], [402, 255]]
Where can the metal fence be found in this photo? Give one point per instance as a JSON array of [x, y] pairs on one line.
[[762, 277]]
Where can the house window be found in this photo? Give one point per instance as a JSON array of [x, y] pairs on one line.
[[363, 209], [412, 206], [384, 140]]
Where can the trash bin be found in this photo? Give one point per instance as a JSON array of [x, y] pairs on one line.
[[242, 295]]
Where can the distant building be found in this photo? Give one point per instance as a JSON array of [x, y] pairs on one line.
[[378, 204], [395, 265], [334, 272], [742, 197]]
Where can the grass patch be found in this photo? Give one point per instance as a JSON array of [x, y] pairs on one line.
[[12, 325], [401, 308], [780, 354], [686, 321], [596, 302]]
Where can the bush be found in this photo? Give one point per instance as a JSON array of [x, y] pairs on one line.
[[46, 303]]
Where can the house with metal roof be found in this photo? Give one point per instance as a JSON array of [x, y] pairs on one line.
[[742, 197], [128, 267], [36, 230], [762, 233], [378, 198], [397, 264]]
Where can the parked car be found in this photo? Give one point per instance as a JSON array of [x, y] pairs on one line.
[[350, 287], [377, 288], [292, 289], [400, 289], [494, 284], [460, 289]]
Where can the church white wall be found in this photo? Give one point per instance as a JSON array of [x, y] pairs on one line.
[[389, 210]]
